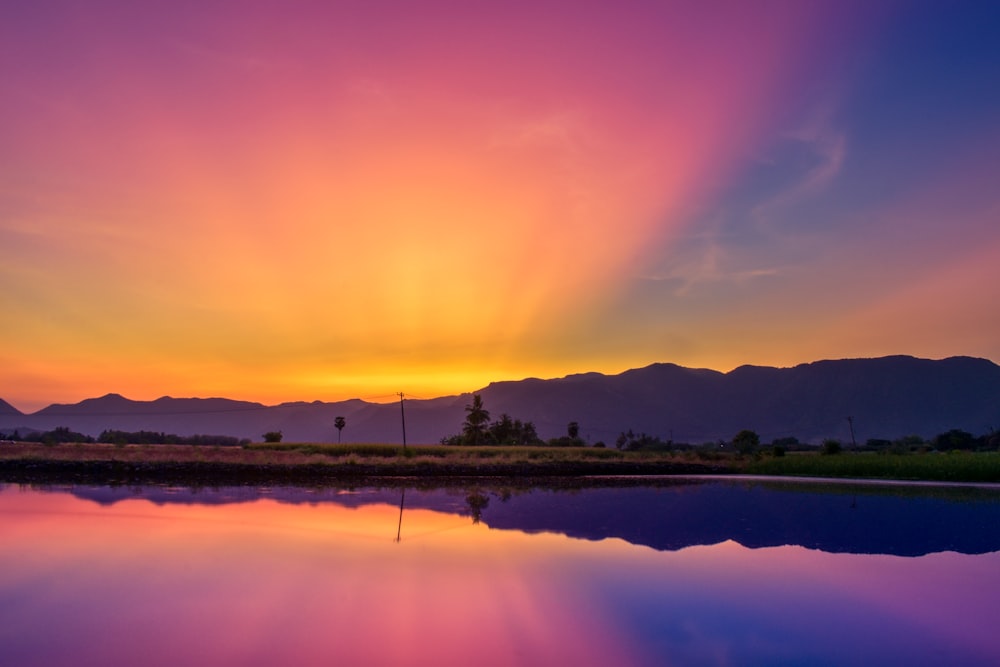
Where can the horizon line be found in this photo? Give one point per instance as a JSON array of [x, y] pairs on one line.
[[373, 400]]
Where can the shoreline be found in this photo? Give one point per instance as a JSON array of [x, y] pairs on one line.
[[312, 465], [194, 465], [35, 471]]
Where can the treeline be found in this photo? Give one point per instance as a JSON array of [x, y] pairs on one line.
[[748, 442], [477, 429], [154, 438], [955, 439], [63, 434], [55, 436]]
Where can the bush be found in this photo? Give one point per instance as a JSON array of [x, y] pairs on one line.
[[878, 444], [116, 437], [954, 439], [56, 436], [746, 442], [830, 447], [272, 436], [565, 441], [634, 442]]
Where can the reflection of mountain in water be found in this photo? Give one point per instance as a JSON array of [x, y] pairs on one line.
[[755, 516], [442, 500], [671, 517]]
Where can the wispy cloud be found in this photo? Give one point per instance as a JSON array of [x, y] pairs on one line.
[[827, 145], [562, 133], [713, 263]]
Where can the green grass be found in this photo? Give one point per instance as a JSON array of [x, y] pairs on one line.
[[322, 460], [336, 451], [506, 454], [930, 466]]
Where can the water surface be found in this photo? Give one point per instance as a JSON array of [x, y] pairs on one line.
[[685, 574]]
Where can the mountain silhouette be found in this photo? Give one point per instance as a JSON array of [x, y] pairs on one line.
[[886, 397], [8, 409]]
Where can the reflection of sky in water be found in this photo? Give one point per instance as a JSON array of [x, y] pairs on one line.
[[269, 583]]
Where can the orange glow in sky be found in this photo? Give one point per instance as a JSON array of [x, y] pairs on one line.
[[326, 202]]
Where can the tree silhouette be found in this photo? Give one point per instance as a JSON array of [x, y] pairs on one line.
[[529, 435], [477, 502], [504, 431], [476, 429], [831, 447], [339, 423], [954, 439], [746, 441], [475, 421]]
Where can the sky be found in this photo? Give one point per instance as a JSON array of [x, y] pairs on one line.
[[295, 200]]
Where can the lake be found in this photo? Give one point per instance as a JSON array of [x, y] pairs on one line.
[[678, 572]]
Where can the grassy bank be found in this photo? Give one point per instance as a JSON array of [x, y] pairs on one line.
[[312, 464], [459, 454], [930, 466], [318, 464]]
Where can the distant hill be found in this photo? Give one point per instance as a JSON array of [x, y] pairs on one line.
[[886, 397], [8, 409]]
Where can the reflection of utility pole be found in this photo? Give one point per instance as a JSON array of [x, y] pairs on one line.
[[399, 527], [402, 414], [854, 443]]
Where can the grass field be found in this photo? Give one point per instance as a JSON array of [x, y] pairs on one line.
[[291, 463], [930, 466], [311, 453], [452, 454], [305, 462]]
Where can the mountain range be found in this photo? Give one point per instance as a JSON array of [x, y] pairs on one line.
[[886, 397]]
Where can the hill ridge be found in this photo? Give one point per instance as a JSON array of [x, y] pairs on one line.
[[886, 397]]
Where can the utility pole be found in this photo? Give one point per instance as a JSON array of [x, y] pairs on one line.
[[854, 443], [402, 415]]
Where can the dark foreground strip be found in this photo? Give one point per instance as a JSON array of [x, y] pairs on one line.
[[210, 474]]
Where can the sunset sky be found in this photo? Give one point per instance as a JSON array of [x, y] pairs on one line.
[[290, 200]]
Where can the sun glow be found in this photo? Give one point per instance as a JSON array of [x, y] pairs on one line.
[[371, 199]]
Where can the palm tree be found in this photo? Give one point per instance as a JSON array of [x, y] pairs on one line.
[[339, 423], [503, 431], [475, 421]]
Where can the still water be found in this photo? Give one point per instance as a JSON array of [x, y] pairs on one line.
[[694, 573]]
